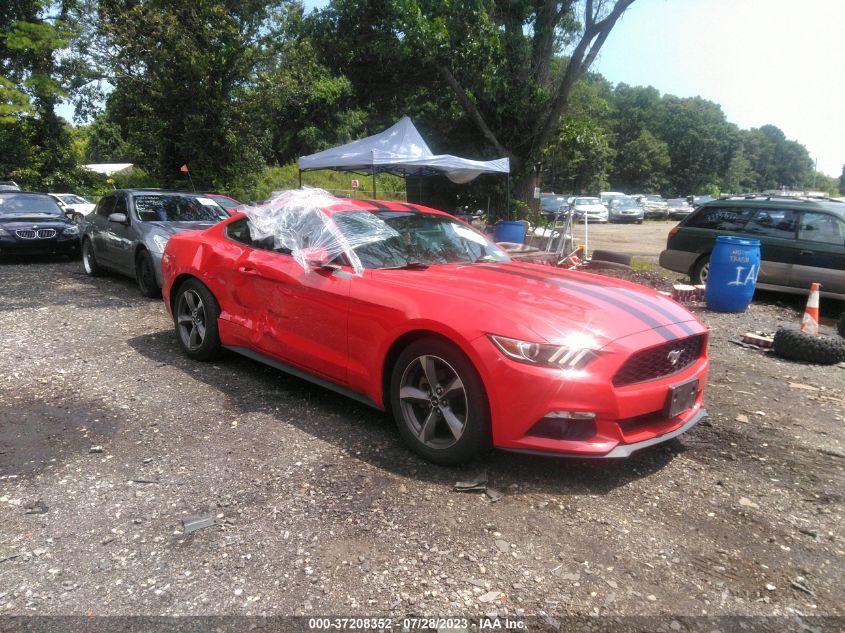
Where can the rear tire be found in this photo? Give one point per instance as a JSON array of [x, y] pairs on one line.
[[793, 344], [439, 403], [840, 326], [89, 260], [701, 271], [145, 275], [195, 314]]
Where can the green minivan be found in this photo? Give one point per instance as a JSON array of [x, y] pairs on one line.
[[802, 240]]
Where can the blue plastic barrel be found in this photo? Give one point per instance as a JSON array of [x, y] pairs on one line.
[[510, 231], [732, 278]]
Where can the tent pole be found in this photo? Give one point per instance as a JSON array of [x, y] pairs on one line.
[[509, 196], [374, 182], [300, 179]]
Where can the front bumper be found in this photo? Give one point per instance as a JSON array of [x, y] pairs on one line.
[[61, 244], [627, 418]]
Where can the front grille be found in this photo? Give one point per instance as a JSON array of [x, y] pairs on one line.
[[31, 234], [656, 362]]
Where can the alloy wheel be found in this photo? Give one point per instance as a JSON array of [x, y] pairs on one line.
[[86, 257], [191, 319], [705, 273], [433, 401]]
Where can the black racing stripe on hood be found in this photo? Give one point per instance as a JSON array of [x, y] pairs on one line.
[[377, 205], [646, 319], [634, 296]]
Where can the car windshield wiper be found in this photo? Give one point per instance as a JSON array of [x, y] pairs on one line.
[[408, 266]]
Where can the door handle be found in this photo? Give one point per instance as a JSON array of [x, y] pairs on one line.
[[247, 270], [806, 253]]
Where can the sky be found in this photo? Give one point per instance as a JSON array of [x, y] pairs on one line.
[[763, 61]]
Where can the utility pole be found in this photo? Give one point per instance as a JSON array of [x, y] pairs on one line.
[[815, 171]]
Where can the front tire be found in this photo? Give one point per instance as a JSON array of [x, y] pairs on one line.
[[195, 314], [145, 275], [439, 403], [89, 260]]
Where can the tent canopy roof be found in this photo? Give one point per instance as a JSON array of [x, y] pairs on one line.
[[402, 151]]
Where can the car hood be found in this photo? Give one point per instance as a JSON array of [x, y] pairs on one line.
[[552, 303], [43, 220]]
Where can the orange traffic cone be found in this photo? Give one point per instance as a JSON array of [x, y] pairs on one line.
[[810, 322]]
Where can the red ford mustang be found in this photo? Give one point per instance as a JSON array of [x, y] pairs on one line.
[[408, 309]]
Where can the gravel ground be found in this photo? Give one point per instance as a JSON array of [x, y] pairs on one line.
[[110, 437]]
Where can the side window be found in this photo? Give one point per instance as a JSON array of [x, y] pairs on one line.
[[105, 206], [239, 232], [720, 218], [821, 227], [119, 205], [773, 223]]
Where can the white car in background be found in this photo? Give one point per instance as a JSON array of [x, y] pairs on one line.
[[72, 204], [590, 208]]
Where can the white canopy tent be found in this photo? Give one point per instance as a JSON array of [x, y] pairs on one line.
[[399, 150]]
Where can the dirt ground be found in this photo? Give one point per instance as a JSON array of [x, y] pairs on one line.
[[110, 437]]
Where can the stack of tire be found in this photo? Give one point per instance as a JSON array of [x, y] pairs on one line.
[[792, 344]]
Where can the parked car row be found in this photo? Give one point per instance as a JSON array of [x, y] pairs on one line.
[[615, 207], [125, 232]]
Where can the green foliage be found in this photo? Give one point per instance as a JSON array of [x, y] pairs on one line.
[[842, 182], [388, 187]]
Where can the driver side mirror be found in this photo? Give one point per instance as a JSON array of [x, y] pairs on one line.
[[118, 218], [316, 256]]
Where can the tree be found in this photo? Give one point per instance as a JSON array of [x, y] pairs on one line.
[[501, 60], [183, 79], [740, 177], [842, 182], [700, 141], [35, 146], [642, 164]]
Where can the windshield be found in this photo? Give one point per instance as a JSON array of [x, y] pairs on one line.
[[624, 203], [654, 198], [587, 201], [415, 238], [72, 199], [175, 208], [24, 204], [227, 203], [677, 203]]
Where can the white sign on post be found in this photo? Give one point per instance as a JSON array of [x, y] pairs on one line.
[[536, 193], [355, 184]]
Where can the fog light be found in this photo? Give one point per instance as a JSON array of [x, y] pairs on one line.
[[565, 425], [572, 415]]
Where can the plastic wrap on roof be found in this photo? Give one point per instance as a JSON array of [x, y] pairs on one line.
[[296, 223]]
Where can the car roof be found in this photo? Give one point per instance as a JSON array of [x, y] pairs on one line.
[[781, 202]]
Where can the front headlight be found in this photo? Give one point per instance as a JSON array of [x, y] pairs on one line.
[[576, 354], [160, 242], [71, 230], [3, 232]]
